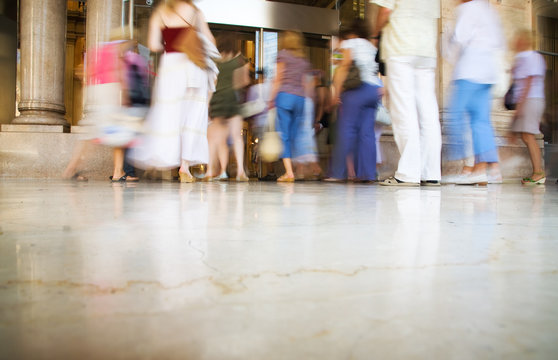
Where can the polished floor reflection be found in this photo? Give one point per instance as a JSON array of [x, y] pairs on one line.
[[270, 271]]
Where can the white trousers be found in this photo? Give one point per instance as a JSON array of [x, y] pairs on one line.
[[415, 119]]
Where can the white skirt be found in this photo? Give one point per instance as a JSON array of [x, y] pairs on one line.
[[175, 128]]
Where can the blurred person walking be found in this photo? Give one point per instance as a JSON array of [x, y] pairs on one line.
[[176, 126], [409, 35], [224, 110], [305, 155], [115, 77], [528, 88], [475, 43], [260, 91], [288, 95], [354, 154]]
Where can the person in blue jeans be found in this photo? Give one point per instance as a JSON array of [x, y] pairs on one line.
[[354, 155], [474, 45], [288, 95]]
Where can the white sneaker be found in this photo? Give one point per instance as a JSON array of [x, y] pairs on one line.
[[494, 176], [495, 179], [473, 179], [451, 179]]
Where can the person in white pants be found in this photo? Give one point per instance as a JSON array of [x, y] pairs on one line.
[[409, 35]]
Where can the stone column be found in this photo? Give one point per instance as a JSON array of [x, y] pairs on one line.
[[43, 35], [102, 16]]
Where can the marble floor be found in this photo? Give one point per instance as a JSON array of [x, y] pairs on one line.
[[277, 271]]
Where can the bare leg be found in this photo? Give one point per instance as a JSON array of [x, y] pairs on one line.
[[75, 160], [467, 170], [235, 126], [223, 147], [185, 167], [213, 138], [480, 168], [535, 154], [118, 161], [288, 168]]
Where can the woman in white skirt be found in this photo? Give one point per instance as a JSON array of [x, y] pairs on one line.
[[176, 126], [528, 77]]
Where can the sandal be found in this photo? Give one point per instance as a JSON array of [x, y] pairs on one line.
[[242, 178], [286, 179], [393, 181], [122, 179], [79, 178], [186, 178], [208, 178], [531, 181]]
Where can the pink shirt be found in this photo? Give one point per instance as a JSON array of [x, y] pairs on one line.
[[293, 73], [104, 64]]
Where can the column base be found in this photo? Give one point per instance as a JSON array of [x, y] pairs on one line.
[[40, 118], [35, 128]]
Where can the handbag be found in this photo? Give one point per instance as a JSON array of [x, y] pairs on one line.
[[509, 102], [352, 81], [189, 43], [271, 146], [382, 115]]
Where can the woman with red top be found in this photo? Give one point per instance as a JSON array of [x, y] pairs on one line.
[[176, 126]]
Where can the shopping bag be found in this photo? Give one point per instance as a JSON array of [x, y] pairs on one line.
[[271, 146]]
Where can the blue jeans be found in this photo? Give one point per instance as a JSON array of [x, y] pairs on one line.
[[355, 133], [290, 117], [473, 99]]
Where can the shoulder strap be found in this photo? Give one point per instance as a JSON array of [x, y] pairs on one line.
[[162, 18], [193, 24]]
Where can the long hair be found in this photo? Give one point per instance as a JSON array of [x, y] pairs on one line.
[[527, 36], [293, 41]]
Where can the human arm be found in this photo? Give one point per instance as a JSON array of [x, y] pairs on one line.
[[381, 21], [461, 35], [154, 36], [204, 28], [341, 75], [241, 75]]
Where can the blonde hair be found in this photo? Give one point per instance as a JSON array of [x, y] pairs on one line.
[[526, 35], [293, 41]]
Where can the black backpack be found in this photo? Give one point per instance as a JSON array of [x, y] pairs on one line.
[[138, 89]]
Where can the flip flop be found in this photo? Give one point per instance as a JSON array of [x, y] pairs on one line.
[[79, 178]]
